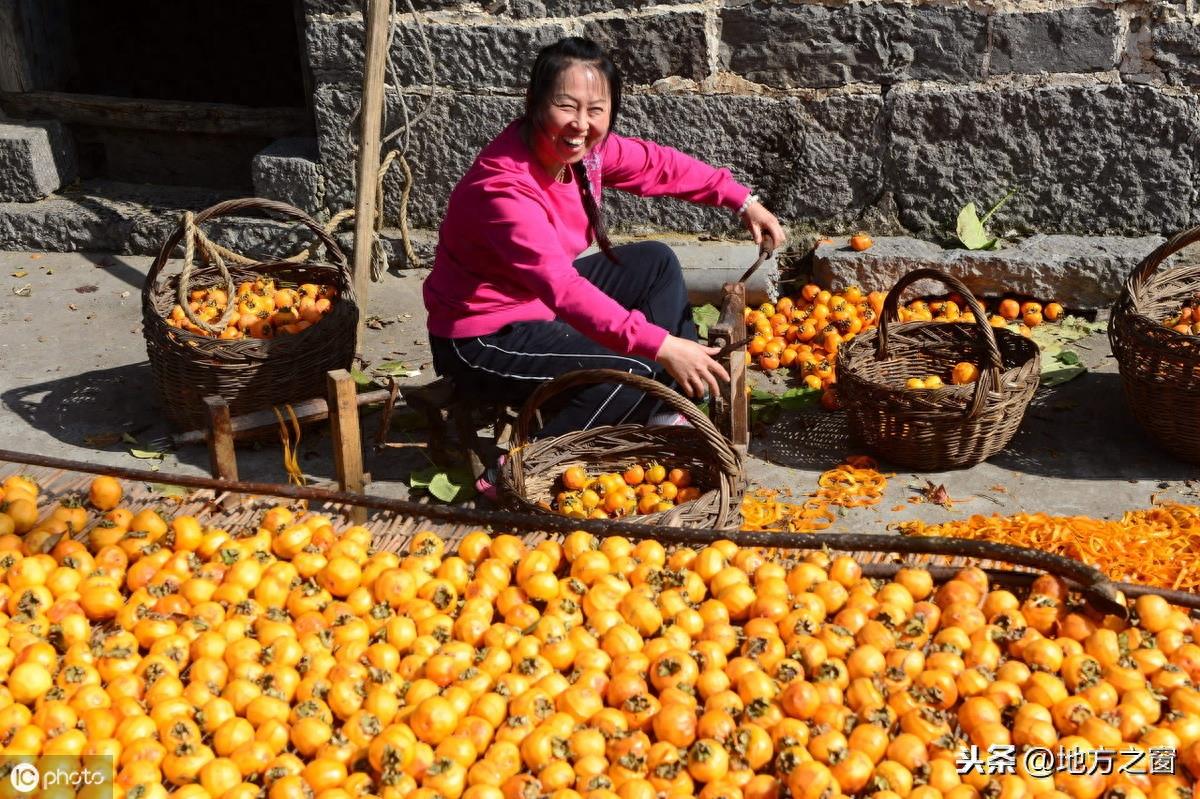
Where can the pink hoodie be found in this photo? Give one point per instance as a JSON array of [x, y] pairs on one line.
[[511, 234]]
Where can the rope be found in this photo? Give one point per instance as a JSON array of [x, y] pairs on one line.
[[217, 254], [189, 221], [290, 450], [378, 257]]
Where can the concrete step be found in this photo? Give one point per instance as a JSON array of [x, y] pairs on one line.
[[1082, 272]]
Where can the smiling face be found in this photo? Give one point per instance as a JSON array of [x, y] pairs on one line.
[[576, 118]]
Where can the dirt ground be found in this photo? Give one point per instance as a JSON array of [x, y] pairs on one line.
[[75, 382]]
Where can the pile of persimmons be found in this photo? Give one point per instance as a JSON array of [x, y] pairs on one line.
[[261, 310], [290, 659], [641, 489], [803, 333]]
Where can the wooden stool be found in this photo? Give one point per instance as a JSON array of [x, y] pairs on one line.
[[443, 405]]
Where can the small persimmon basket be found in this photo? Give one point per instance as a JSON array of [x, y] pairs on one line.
[[951, 427], [250, 374], [529, 474], [1159, 366]]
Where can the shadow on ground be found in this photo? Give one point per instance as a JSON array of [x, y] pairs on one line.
[[1080, 430], [97, 403]]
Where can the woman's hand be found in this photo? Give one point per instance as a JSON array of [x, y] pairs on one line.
[[759, 220], [692, 366]]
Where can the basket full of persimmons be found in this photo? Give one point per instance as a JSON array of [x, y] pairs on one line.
[[1154, 330], [256, 333], [686, 475], [936, 395]]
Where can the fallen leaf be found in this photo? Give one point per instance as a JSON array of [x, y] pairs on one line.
[[393, 368], [145, 454], [999, 489], [23, 291], [898, 508], [20, 273], [35, 256], [705, 316], [167, 490], [72, 306], [936, 495], [128, 439], [102, 439], [86, 289]]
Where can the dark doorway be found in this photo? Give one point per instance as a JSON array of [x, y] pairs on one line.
[[241, 52], [171, 92]]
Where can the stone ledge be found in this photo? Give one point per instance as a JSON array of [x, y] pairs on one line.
[[1081, 272], [36, 158], [128, 219]]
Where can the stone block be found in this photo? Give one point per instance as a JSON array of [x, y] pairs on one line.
[[36, 159], [476, 57], [289, 170], [672, 43], [810, 160], [1177, 52], [1080, 161], [571, 8], [1071, 40], [443, 146], [1079, 272], [313, 8], [823, 46], [815, 161]]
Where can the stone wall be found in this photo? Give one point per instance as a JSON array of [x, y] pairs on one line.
[[887, 115]]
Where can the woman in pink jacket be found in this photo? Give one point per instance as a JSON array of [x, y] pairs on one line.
[[510, 303]]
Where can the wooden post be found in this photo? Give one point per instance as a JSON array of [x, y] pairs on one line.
[[222, 458], [368, 153], [347, 439], [739, 405]]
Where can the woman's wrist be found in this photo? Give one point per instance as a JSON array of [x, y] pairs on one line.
[[750, 200]]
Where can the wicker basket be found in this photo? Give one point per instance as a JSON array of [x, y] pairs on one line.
[[532, 468], [1160, 367], [945, 428], [249, 374]]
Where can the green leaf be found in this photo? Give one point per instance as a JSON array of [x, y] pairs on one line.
[[423, 478], [1068, 357], [359, 376], [704, 316], [128, 439], [442, 487], [758, 395], [1055, 373], [145, 454], [800, 399], [970, 230], [996, 207], [392, 368], [167, 490]]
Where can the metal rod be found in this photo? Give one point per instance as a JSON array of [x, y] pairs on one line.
[[1095, 585]]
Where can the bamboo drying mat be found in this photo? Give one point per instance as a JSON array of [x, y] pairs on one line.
[[390, 531]]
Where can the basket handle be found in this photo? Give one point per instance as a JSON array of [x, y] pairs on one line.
[[725, 456], [989, 376], [1161, 253], [237, 206]]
